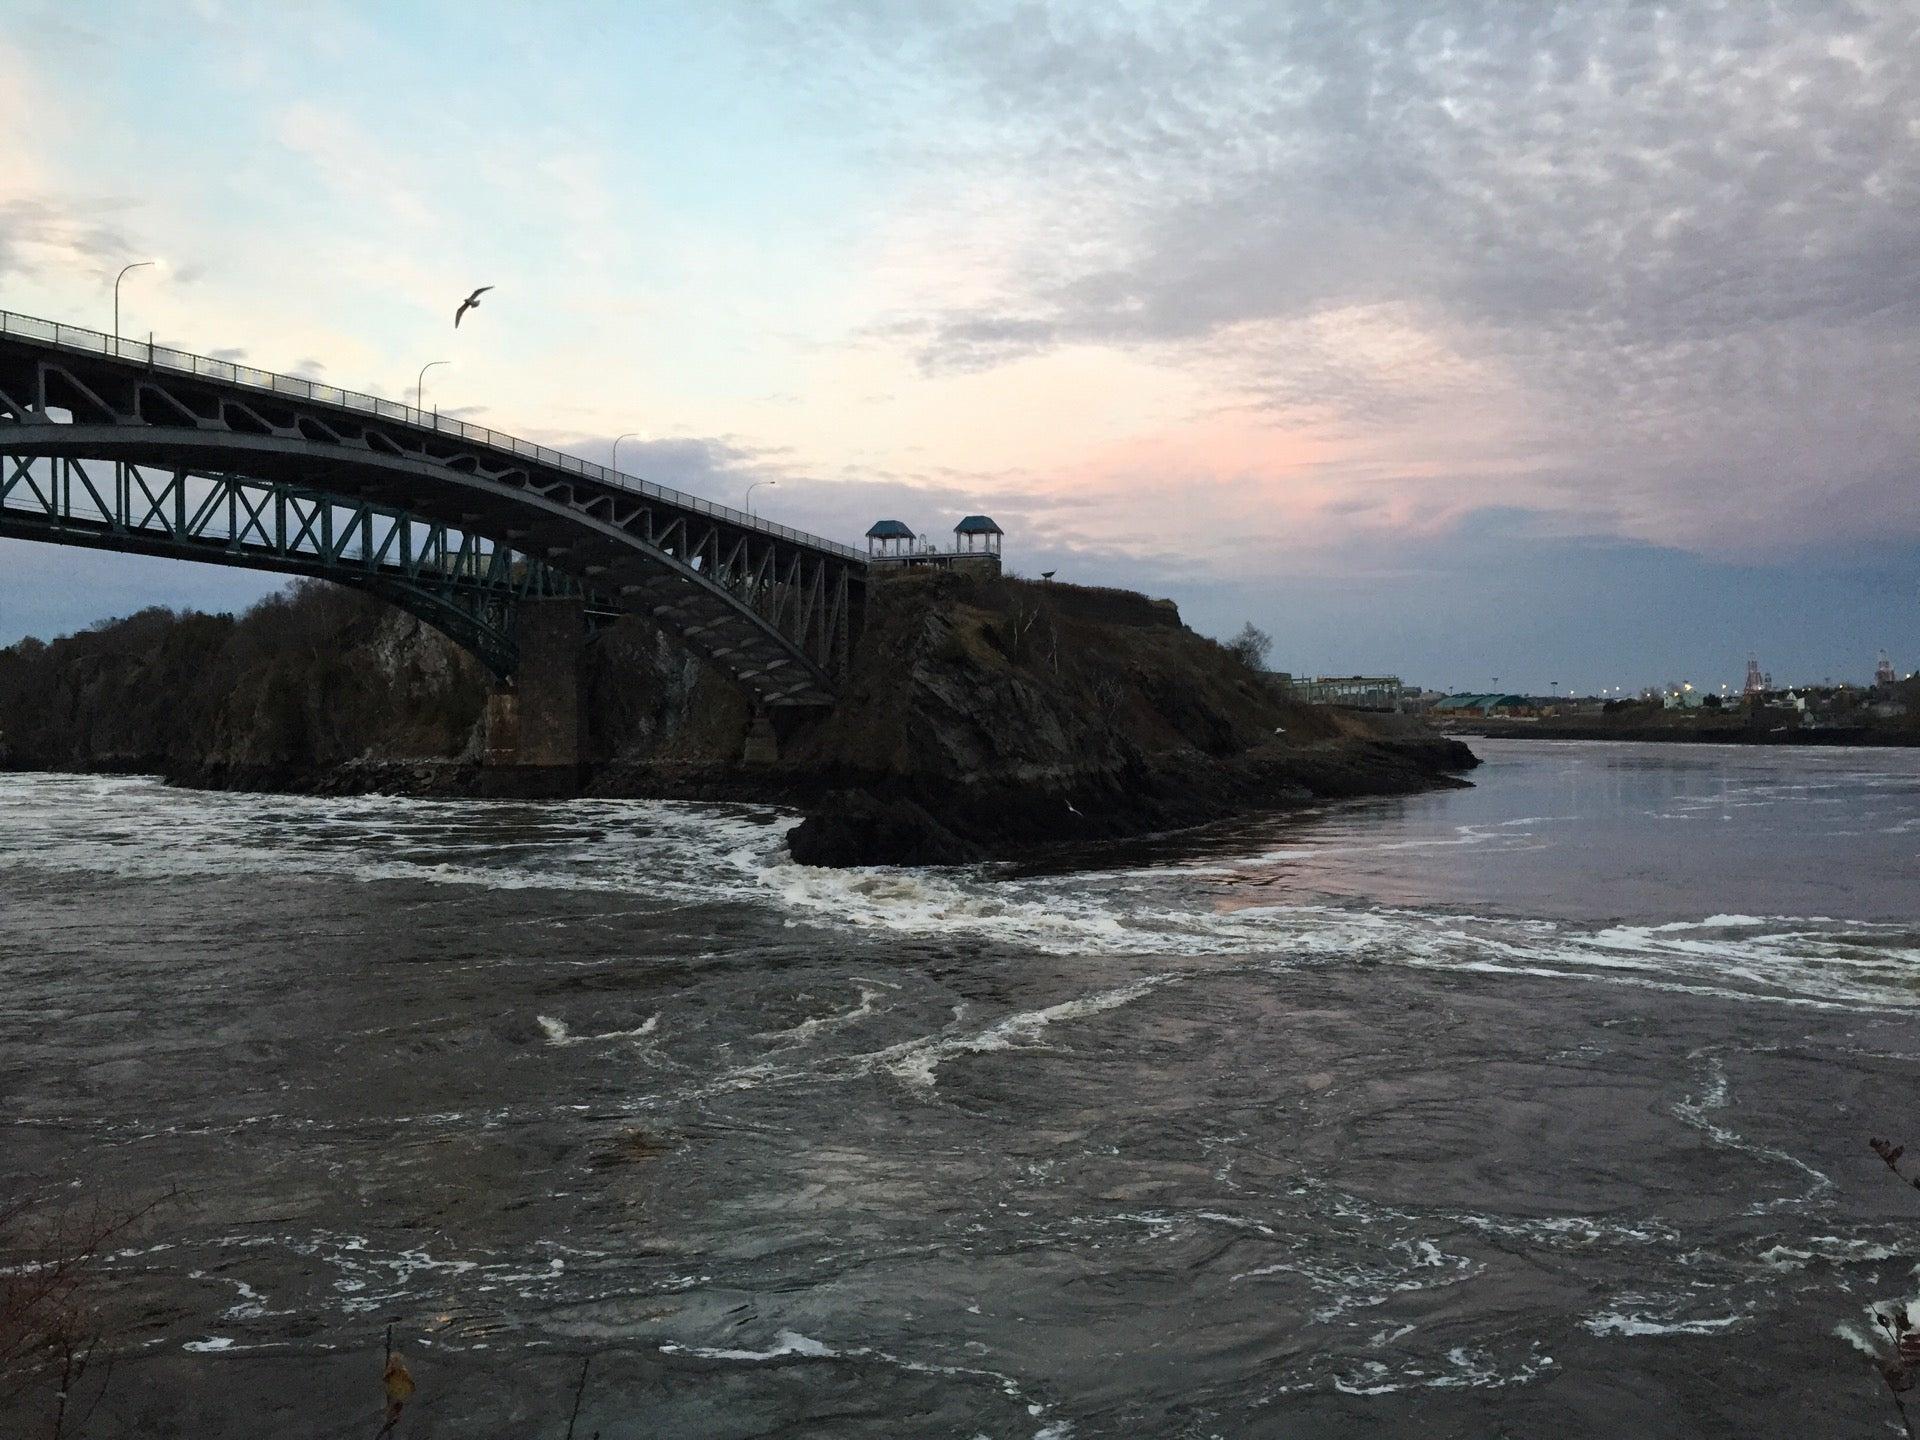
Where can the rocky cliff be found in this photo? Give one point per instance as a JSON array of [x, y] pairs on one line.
[[980, 716], [308, 680], [987, 713]]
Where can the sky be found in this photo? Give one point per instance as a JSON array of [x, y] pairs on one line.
[[1570, 344]]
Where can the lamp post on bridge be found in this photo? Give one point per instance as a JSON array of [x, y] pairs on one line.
[[136, 265], [614, 463], [420, 386], [753, 487]]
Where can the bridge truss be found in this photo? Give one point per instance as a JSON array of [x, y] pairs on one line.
[[136, 447], [461, 583]]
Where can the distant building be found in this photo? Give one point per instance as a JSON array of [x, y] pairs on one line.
[[1883, 675], [889, 537], [1358, 692], [1480, 707]]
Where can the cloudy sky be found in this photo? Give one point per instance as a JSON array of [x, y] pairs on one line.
[[1575, 343]]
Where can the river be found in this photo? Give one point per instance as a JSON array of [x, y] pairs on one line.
[[1536, 1108]]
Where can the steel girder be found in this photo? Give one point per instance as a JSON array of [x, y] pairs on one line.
[[773, 608], [460, 583]]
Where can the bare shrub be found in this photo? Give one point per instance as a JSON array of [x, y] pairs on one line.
[[1251, 646], [51, 1336], [1895, 1345]]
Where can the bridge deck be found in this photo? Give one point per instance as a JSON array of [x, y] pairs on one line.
[[163, 357], [772, 605]]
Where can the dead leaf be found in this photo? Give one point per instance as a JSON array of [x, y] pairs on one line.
[[400, 1387]]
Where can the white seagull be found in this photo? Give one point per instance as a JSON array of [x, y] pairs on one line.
[[472, 302]]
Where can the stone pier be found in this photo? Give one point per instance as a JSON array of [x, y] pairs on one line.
[[537, 728], [763, 744]]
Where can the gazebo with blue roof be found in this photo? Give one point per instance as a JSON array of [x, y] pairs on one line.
[[889, 537], [977, 534]]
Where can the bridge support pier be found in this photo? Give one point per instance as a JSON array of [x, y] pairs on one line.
[[537, 730], [763, 745]]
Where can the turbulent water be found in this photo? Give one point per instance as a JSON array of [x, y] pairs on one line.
[[1535, 1108]]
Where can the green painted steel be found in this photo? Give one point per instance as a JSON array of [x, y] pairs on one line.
[[461, 583], [204, 455]]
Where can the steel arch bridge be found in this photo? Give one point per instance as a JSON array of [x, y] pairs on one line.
[[139, 448]]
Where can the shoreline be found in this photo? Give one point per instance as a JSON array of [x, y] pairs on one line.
[[978, 717], [1836, 738], [852, 819]]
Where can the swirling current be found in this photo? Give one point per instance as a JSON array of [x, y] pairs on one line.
[[1540, 1107]]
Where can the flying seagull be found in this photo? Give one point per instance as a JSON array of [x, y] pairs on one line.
[[472, 302]]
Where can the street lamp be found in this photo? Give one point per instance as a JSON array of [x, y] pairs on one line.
[[614, 464], [136, 265], [753, 487], [420, 385]]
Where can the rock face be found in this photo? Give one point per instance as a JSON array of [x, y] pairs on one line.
[[856, 828], [1013, 714], [987, 716], [308, 681], [981, 716]]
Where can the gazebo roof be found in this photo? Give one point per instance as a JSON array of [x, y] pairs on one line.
[[889, 530], [977, 525]]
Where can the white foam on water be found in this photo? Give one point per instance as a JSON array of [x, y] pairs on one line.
[[1714, 1095], [916, 1060], [1638, 1323], [970, 904], [1458, 836], [792, 1345], [1867, 1342], [1403, 1267], [665, 854], [1466, 1368], [808, 1029], [250, 1305], [557, 1032], [785, 1343], [366, 1278], [1885, 1318], [1816, 961], [132, 828], [1835, 1250]]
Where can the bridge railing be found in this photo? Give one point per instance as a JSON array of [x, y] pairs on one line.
[[185, 362]]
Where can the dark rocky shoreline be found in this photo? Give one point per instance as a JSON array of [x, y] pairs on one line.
[[1734, 734], [852, 821], [980, 719]]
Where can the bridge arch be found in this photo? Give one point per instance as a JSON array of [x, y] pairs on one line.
[[458, 583], [773, 607]]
